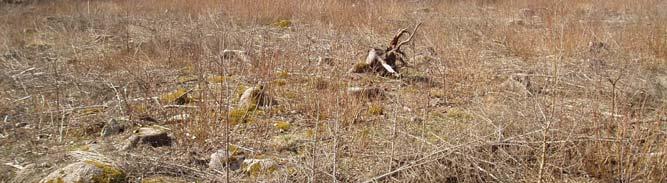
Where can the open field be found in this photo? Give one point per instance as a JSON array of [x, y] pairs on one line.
[[495, 91]]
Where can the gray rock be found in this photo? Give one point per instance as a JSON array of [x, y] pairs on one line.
[[660, 86], [219, 159], [179, 117], [114, 126], [140, 34], [514, 86], [521, 84], [155, 136], [236, 55], [648, 92], [325, 61], [527, 13], [366, 93], [29, 173], [516, 22], [288, 142], [259, 166], [89, 156], [256, 97], [163, 179], [86, 171]]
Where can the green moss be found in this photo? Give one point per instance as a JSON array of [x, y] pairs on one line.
[[361, 67], [239, 91], [179, 96], [216, 79], [291, 95], [437, 93], [287, 142], [185, 79], [280, 82], [410, 90], [458, 114], [436, 115], [110, 174], [375, 110], [90, 111], [234, 150], [284, 23], [282, 125], [161, 179], [241, 115], [321, 84], [58, 180], [283, 74], [154, 180], [188, 69], [84, 147]]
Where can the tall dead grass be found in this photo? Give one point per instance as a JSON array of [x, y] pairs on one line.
[[583, 121]]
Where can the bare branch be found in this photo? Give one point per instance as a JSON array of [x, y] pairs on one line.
[[392, 44], [397, 47]]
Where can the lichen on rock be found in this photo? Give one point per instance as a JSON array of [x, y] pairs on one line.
[[255, 167], [155, 136], [87, 171], [255, 96]]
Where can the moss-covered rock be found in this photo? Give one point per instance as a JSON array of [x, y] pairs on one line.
[[360, 68], [87, 171], [155, 136], [180, 97], [367, 92], [110, 174], [375, 110], [162, 179], [282, 125], [288, 142], [115, 126], [255, 96], [255, 167], [283, 23], [221, 158]]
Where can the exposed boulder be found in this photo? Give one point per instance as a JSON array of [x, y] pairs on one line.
[[597, 47], [155, 136], [221, 158], [649, 92], [282, 125], [89, 156], [114, 126], [179, 118], [162, 179], [259, 166], [179, 97], [518, 22], [87, 171], [288, 142], [239, 55], [325, 61], [521, 84], [367, 92], [140, 35], [527, 13], [659, 88], [514, 86], [26, 174], [256, 97]]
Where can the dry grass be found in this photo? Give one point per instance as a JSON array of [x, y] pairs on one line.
[[580, 113]]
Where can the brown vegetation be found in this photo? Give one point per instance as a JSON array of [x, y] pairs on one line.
[[497, 91]]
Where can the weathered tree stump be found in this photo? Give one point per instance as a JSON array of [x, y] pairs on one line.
[[383, 62]]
